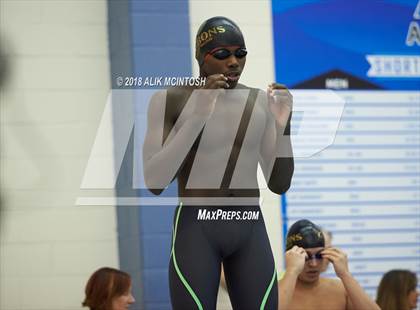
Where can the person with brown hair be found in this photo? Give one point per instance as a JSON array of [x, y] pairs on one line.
[[108, 289], [397, 290]]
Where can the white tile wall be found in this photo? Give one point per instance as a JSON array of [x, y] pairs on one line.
[[11, 293], [65, 104], [50, 109]]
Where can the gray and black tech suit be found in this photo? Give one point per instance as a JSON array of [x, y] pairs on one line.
[[200, 246]]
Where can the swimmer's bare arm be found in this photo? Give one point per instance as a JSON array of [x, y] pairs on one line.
[[276, 149], [357, 299], [161, 161], [295, 262]]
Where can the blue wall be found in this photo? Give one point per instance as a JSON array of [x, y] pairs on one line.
[[147, 38]]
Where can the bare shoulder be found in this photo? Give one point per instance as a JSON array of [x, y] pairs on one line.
[[242, 86], [174, 100], [178, 94], [333, 285]]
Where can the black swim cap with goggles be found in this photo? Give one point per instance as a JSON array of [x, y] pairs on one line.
[[215, 34], [305, 234]]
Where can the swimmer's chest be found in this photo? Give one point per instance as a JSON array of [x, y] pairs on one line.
[[224, 124], [319, 299]]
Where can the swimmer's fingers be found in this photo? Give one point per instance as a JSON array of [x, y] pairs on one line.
[[302, 252], [296, 252], [280, 102], [339, 260], [283, 97], [276, 89], [299, 250], [270, 98], [216, 81], [333, 255], [333, 251], [277, 86], [295, 259], [328, 256], [220, 84], [332, 258], [281, 92], [337, 250]]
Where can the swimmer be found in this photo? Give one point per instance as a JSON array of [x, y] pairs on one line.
[[302, 288], [197, 134]]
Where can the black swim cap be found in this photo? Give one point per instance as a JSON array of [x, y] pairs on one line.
[[304, 234], [216, 32]]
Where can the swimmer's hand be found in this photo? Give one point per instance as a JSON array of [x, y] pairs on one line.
[[280, 102], [208, 94], [339, 260], [216, 81], [295, 260]]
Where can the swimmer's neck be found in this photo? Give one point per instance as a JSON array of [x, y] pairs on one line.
[[302, 285]]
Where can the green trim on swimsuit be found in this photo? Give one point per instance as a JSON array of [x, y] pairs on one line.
[[267, 292], [178, 271], [281, 274]]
